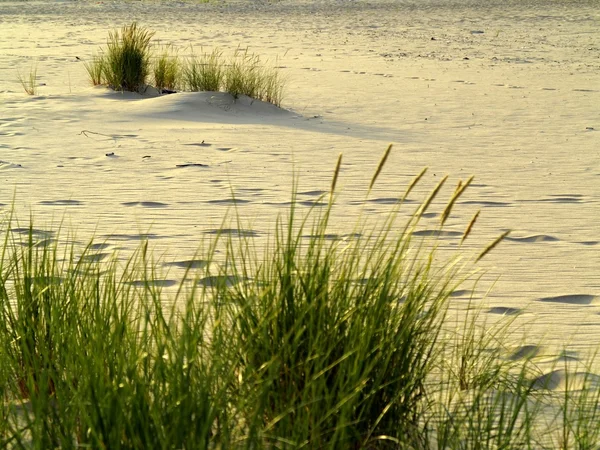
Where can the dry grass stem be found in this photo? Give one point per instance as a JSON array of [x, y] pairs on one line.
[[470, 226], [493, 245], [380, 166]]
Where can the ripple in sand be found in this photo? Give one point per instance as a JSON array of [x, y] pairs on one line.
[[146, 204], [571, 299], [504, 310], [60, 202], [188, 264], [533, 239], [525, 352], [233, 232]]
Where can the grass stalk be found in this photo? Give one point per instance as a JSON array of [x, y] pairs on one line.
[[29, 83]]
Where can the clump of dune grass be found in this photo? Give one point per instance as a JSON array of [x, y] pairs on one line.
[[29, 82], [126, 62], [167, 70], [96, 70], [126, 65], [205, 73], [247, 75]]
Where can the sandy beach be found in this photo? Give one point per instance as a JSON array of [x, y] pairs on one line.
[[507, 91]]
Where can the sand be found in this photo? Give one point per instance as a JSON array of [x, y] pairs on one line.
[[508, 91]]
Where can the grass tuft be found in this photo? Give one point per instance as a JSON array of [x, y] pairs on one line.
[[29, 83], [127, 58], [167, 70], [206, 73], [96, 70]]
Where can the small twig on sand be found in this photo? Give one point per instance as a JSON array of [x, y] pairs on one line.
[[86, 132]]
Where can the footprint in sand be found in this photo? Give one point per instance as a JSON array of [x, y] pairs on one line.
[[146, 204], [200, 144], [504, 310], [220, 280], [229, 201], [437, 233], [188, 264], [94, 257], [525, 352], [388, 200], [462, 293], [233, 232], [491, 204], [533, 239], [60, 202], [315, 193], [153, 283], [561, 380], [571, 299], [8, 165], [312, 203], [35, 232], [131, 237]]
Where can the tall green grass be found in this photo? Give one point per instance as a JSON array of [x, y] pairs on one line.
[[311, 342], [247, 75], [205, 73], [125, 64], [167, 70]]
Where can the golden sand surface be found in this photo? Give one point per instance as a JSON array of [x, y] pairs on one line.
[[508, 91]]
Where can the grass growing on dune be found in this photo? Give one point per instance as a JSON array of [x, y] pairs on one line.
[[126, 65], [29, 82], [312, 342], [205, 73], [96, 70], [167, 70], [247, 75], [127, 59]]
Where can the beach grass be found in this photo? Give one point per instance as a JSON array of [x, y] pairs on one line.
[[29, 82], [310, 342], [167, 70], [126, 62], [126, 65], [246, 74], [204, 73], [96, 69]]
